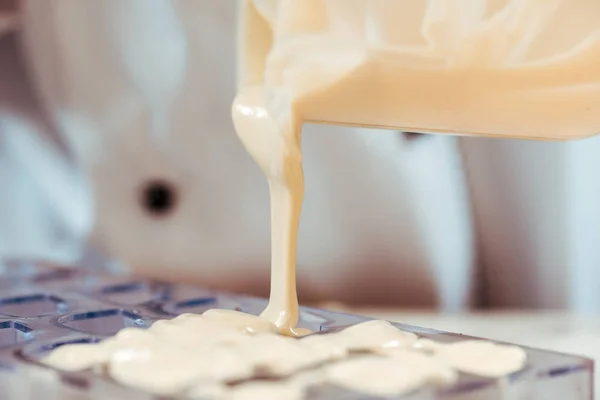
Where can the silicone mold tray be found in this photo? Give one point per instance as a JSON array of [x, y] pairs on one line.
[[44, 306]]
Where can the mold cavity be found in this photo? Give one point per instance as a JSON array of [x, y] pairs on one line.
[[35, 305], [133, 293], [35, 352], [14, 332], [313, 320], [102, 322], [195, 305], [159, 198], [196, 302], [49, 347]]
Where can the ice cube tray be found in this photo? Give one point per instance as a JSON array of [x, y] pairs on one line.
[[44, 306]]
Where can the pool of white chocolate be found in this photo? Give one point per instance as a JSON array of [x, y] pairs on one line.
[[225, 354]]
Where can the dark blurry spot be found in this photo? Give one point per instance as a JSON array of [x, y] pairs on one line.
[[8, 5], [159, 198], [412, 136]]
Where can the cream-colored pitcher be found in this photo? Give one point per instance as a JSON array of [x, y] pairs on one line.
[[525, 69]]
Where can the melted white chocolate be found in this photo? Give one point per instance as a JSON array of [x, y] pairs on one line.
[[274, 142], [229, 355]]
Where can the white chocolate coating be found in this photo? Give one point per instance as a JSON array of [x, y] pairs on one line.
[[230, 355]]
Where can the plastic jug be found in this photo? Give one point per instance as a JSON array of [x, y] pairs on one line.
[[506, 68]]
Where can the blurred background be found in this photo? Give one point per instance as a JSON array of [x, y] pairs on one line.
[[117, 149]]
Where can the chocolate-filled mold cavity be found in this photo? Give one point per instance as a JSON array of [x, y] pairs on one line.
[[15, 332], [105, 322], [36, 352], [32, 305], [133, 293]]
